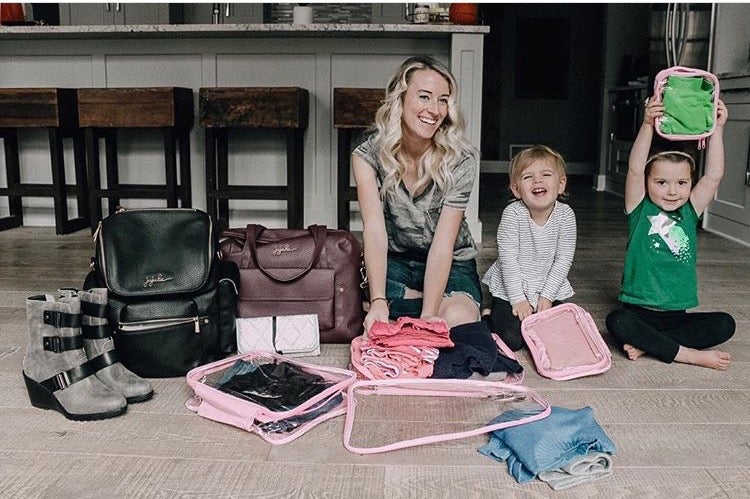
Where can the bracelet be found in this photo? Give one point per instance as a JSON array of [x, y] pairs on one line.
[[379, 298]]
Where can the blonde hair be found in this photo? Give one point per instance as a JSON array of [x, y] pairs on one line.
[[527, 156], [448, 144]]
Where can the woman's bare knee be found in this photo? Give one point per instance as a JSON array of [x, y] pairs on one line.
[[458, 309]]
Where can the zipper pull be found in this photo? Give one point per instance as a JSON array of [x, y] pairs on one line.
[[196, 320]]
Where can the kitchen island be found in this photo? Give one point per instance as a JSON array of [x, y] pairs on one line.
[[318, 57]]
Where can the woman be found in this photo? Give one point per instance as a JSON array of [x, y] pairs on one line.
[[414, 176]]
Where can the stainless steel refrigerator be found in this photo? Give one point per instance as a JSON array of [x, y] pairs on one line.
[[681, 35]]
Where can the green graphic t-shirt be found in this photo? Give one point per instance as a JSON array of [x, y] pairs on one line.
[[660, 261]]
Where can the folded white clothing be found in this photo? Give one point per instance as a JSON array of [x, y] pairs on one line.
[[580, 469]]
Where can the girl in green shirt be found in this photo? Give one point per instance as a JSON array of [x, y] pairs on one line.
[[659, 278]]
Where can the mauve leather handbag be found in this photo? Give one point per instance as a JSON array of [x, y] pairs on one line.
[[299, 271]]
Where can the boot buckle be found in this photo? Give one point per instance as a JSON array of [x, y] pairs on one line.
[[62, 381], [53, 343]]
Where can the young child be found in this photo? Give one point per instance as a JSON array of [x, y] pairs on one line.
[[659, 279], [536, 240]]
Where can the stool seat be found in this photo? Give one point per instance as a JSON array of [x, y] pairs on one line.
[[354, 111], [53, 109], [254, 107], [102, 111], [224, 108], [150, 107]]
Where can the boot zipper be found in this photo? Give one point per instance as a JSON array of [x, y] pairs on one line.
[[163, 323]]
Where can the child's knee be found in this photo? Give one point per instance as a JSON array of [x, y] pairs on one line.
[[619, 324], [725, 325]]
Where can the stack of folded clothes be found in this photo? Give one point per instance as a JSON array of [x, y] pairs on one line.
[[565, 449], [406, 348], [473, 351]]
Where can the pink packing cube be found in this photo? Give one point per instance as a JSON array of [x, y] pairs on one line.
[[686, 103], [365, 372], [276, 423], [433, 406], [565, 343]]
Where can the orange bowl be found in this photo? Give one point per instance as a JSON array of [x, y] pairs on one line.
[[463, 13]]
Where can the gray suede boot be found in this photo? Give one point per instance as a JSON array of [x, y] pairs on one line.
[[97, 340], [56, 371]]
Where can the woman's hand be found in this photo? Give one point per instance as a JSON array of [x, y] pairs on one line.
[[434, 318], [522, 309], [378, 313], [543, 304]]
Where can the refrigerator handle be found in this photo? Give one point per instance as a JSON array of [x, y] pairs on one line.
[[683, 36], [673, 37], [667, 31]]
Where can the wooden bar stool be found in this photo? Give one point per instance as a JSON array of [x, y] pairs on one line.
[[53, 109], [279, 108], [102, 111], [353, 112]]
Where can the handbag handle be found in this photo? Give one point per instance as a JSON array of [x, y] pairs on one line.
[[253, 232]]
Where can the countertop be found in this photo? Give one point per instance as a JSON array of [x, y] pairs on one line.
[[237, 31], [734, 74]]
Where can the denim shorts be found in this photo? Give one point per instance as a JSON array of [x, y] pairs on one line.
[[407, 271]]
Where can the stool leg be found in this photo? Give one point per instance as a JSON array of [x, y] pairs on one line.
[[295, 178], [186, 186], [210, 165], [79, 162], [170, 166], [343, 167], [222, 175], [94, 178], [113, 175], [13, 176], [59, 191]]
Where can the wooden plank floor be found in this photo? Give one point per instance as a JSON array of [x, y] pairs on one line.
[[681, 431]]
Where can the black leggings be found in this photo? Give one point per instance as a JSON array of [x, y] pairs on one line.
[[661, 333], [506, 325]]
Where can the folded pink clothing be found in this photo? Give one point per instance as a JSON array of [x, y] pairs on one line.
[[412, 332], [375, 362], [399, 364]]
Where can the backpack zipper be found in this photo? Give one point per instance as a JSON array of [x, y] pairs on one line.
[[152, 324]]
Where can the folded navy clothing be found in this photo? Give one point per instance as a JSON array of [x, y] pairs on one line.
[[474, 351]]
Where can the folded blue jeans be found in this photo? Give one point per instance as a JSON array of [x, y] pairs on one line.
[[547, 444]]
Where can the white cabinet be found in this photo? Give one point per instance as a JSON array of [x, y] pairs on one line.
[[223, 13], [75, 14], [729, 213]]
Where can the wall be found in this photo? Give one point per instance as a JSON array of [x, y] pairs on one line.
[[732, 40]]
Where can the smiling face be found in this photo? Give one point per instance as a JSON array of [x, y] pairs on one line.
[[425, 104], [538, 186], [669, 184]]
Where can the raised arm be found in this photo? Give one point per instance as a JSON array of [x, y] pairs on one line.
[[635, 182], [705, 190], [375, 238]]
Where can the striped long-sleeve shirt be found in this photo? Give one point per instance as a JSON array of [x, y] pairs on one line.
[[533, 260]]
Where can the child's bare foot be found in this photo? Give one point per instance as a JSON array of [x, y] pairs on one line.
[[714, 359], [412, 293], [633, 352]]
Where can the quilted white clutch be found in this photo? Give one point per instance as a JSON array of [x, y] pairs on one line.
[[289, 335]]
